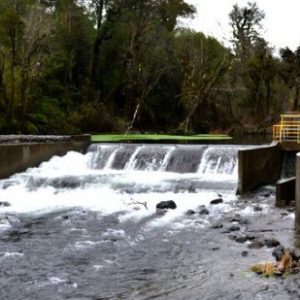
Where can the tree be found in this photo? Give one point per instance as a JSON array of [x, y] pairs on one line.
[[261, 68], [253, 71], [290, 72], [204, 62], [246, 23], [145, 33], [24, 29]]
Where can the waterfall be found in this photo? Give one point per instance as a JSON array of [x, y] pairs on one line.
[[109, 176], [200, 159]]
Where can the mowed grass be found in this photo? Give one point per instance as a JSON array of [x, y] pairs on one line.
[[158, 137]]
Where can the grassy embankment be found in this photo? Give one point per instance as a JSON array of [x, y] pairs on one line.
[[159, 138]]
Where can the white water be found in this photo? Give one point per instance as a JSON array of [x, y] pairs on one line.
[[133, 190]]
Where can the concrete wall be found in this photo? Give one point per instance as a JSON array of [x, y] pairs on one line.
[[258, 166], [18, 157]]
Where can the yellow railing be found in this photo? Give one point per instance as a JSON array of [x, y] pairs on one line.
[[288, 130]]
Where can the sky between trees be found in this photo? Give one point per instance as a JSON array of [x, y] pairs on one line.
[[281, 24]]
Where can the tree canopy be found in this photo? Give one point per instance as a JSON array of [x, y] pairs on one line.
[[69, 66]]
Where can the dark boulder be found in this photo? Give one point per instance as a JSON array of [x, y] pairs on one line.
[[4, 204], [241, 239], [234, 228], [170, 204], [271, 243], [244, 253], [217, 226], [216, 201]]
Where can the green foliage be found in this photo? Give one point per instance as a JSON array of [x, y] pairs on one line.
[[68, 66]]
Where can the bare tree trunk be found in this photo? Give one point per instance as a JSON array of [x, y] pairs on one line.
[[130, 127], [97, 43], [204, 93]]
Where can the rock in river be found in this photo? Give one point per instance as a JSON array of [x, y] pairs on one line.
[[255, 245], [170, 204], [204, 211], [216, 201], [190, 212], [271, 243]]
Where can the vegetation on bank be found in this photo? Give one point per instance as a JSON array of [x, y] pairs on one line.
[[70, 66], [158, 137]]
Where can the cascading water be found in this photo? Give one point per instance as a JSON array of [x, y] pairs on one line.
[[85, 226], [112, 177]]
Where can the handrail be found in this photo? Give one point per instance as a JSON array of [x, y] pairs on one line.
[[288, 130]]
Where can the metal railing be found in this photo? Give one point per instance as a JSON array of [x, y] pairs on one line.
[[288, 130]]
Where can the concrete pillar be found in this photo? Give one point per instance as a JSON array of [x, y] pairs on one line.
[[285, 191], [297, 212]]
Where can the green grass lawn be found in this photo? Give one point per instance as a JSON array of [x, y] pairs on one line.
[[158, 137]]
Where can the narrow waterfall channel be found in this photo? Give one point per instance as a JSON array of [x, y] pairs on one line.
[[85, 226]]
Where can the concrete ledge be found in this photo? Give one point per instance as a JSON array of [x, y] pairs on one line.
[[16, 157], [285, 191], [258, 166]]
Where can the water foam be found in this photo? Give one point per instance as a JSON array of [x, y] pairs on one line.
[[51, 186]]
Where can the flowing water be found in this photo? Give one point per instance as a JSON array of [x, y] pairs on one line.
[[85, 226]]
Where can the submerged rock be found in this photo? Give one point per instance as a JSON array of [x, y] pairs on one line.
[[8, 183], [271, 243], [190, 212], [234, 228], [204, 211], [216, 201], [257, 208], [241, 239], [255, 245], [217, 226], [170, 204], [4, 204]]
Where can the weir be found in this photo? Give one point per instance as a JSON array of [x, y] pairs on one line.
[[198, 159], [110, 176]]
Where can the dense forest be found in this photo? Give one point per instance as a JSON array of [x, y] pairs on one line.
[[70, 66]]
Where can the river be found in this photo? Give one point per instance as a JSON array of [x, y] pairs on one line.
[[85, 226]]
